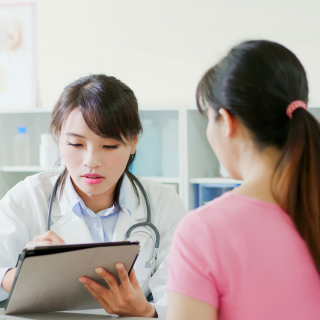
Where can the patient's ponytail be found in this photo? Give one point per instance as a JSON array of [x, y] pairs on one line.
[[298, 176], [256, 82]]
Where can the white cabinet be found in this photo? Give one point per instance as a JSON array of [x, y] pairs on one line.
[[194, 162]]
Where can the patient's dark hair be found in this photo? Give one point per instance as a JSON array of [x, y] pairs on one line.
[[255, 83], [109, 108]]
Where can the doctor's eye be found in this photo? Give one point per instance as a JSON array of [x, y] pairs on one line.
[[111, 147], [74, 144]]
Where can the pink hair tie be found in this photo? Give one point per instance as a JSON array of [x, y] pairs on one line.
[[294, 106]]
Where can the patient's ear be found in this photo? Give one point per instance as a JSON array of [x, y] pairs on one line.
[[229, 122]]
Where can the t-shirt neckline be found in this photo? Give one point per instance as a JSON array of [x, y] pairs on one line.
[[253, 200]]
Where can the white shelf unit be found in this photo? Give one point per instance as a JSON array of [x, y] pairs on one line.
[[197, 163]]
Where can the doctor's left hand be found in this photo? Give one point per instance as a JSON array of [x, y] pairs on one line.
[[48, 238], [126, 299]]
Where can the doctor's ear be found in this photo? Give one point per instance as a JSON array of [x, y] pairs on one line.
[[56, 137], [230, 122], [134, 143]]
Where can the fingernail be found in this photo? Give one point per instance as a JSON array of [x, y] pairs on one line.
[[82, 280], [99, 270], [119, 266]]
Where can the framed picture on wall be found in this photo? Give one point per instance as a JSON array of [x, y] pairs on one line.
[[17, 55]]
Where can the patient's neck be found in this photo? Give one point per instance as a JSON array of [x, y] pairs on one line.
[[257, 168]]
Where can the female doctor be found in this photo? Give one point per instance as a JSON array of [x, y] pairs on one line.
[[96, 123]]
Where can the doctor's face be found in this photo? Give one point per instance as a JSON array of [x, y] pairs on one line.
[[94, 163]]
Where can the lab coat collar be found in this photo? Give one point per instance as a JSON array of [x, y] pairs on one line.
[[77, 204]]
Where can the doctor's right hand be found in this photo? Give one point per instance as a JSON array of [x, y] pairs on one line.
[[47, 239]]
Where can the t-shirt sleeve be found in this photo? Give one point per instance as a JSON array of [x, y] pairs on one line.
[[194, 268]]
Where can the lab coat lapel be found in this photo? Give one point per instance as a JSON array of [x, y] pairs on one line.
[[123, 224], [72, 229]]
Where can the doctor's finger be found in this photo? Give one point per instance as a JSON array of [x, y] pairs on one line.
[[123, 275], [38, 243], [100, 290], [49, 235], [110, 280], [102, 302], [133, 279]]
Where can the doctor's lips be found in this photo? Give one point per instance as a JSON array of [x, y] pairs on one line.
[[92, 178]]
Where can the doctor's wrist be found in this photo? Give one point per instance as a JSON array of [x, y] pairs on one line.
[[8, 278], [155, 313], [152, 312]]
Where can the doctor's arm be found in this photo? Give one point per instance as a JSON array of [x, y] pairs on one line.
[[20, 222], [13, 234]]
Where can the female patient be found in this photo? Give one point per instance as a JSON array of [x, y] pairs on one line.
[[254, 253]]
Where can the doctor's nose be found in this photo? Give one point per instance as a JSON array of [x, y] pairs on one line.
[[92, 160]]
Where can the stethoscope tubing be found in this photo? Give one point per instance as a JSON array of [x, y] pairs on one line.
[[51, 199], [148, 221]]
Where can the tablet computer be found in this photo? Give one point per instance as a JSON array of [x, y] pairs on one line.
[[47, 277]]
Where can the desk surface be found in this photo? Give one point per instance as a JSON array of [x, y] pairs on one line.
[[98, 314]]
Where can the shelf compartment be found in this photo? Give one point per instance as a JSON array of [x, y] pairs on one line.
[[222, 181], [163, 179], [206, 192], [155, 156]]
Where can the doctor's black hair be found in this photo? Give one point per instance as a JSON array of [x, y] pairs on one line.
[[255, 83], [109, 108]]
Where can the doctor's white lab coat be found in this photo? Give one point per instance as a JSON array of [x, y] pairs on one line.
[[23, 216]]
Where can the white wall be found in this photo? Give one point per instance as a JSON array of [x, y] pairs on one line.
[[161, 48]]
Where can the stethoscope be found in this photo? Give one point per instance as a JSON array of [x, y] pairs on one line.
[[151, 263]]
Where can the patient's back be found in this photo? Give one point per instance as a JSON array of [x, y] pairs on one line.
[[245, 257]]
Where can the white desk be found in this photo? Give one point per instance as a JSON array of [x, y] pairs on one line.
[[98, 314]]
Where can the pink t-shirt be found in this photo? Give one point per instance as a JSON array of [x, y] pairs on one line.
[[244, 257]]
